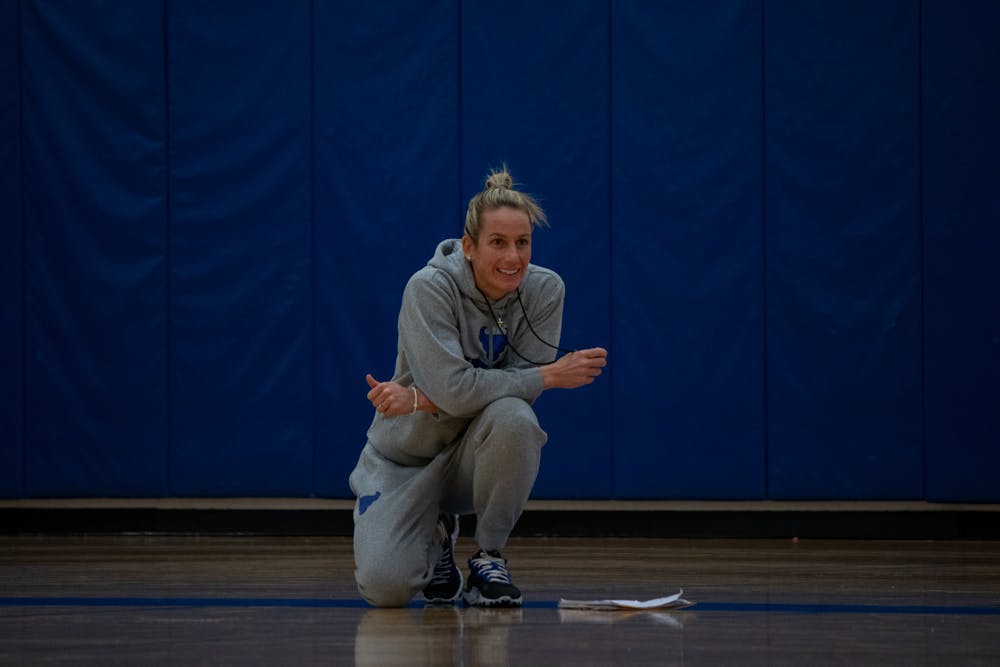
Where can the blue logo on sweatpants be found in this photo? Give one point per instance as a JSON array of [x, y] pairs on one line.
[[364, 502]]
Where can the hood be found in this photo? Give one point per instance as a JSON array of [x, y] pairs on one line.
[[450, 258]]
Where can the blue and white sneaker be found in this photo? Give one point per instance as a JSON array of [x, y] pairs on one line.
[[445, 586], [489, 582]]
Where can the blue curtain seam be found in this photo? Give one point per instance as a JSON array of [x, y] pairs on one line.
[[459, 144], [168, 248], [314, 482], [23, 486], [763, 250], [612, 492], [921, 249]]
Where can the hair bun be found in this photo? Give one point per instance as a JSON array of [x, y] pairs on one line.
[[499, 179]]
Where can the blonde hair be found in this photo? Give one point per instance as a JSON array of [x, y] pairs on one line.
[[499, 192]]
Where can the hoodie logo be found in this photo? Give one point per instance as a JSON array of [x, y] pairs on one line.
[[493, 347]]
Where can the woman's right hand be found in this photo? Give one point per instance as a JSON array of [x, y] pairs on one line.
[[574, 369], [394, 400]]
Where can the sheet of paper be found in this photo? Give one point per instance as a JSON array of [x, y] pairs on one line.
[[670, 602]]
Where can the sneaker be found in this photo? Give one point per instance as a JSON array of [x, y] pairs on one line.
[[489, 582], [445, 585]]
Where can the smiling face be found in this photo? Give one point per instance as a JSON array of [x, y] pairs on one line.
[[501, 254]]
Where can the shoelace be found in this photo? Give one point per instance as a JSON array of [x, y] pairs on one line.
[[444, 566], [491, 568]]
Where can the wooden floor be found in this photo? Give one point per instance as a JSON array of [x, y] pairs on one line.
[[291, 601]]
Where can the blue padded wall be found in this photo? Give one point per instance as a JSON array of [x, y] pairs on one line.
[[961, 242], [843, 250], [386, 192], [95, 342], [11, 264], [238, 89], [779, 217], [686, 251], [552, 130]]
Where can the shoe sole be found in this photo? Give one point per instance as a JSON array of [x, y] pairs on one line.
[[474, 598], [442, 602], [453, 599]]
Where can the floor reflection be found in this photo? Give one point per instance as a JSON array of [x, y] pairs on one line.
[[435, 635], [446, 635], [670, 619]]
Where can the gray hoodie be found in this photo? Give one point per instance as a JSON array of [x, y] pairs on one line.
[[453, 351]]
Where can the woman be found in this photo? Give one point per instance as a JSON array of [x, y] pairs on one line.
[[454, 432]]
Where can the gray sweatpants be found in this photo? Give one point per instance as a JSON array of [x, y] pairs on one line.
[[490, 471]]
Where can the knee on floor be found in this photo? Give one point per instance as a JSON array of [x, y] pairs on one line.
[[385, 590]]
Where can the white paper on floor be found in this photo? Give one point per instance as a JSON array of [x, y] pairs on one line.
[[670, 602]]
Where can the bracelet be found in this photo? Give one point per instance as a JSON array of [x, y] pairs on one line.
[[414, 399]]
